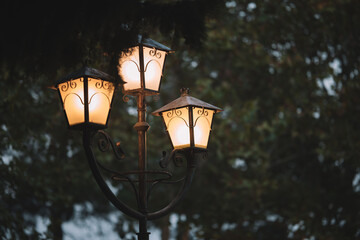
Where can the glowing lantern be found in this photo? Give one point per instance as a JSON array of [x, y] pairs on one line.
[[188, 121], [141, 67], [86, 96]]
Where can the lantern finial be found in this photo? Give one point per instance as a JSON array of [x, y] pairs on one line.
[[184, 91]]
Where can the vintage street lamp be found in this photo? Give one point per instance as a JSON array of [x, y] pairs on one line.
[[188, 121], [87, 96], [141, 67]]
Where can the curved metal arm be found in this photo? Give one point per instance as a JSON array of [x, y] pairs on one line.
[[190, 155], [87, 136], [185, 187]]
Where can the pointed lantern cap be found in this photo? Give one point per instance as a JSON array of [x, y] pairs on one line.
[[186, 100], [86, 72], [148, 42]]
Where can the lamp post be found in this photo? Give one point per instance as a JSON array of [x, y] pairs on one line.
[[86, 97]]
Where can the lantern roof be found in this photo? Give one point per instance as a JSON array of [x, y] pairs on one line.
[[148, 42], [86, 72], [186, 100]]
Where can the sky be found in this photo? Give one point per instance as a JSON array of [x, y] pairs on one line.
[[93, 228]]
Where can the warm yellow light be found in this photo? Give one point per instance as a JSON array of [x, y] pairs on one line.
[[179, 133], [202, 119], [131, 75], [188, 120], [100, 94], [129, 69], [177, 125], [153, 65], [72, 95]]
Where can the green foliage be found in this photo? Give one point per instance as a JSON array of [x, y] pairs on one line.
[[43, 172], [283, 155]]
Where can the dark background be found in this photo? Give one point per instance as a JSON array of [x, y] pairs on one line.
[[283, 158]]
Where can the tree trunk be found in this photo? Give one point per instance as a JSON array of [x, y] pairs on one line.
[[183, 230], [185, 233], [54, 227], [165, 232]]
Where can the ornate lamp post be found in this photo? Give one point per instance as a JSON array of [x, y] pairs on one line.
[[87, 96]]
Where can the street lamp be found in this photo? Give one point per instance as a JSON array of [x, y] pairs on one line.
[[188, 121], [141, 67], [87, 96]]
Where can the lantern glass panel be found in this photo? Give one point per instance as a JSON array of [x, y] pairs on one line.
[[129, 69], [153, 65], [100, 96], [177, 125], [72, 95], [202, 119]]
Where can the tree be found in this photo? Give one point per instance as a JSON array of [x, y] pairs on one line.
[[283, 157], [40, 43]]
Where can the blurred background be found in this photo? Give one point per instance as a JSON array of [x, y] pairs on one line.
[[283, 158]]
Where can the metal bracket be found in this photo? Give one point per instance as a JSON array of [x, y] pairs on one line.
[[104, 144]]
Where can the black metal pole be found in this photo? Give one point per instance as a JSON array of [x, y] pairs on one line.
[[141, 127]]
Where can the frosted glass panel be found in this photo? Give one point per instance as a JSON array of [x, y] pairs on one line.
[[153, 65], [100, 95], [129, 69], [72, 95], [202, 119], [177, 125]]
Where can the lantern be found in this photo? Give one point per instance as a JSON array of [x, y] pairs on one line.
[[141, 67], [188, 121], [86, 97]]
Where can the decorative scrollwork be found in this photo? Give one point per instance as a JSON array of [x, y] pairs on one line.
[[77, 95], [173, 114], [105, 142], [103, 84], [154, 52], [125, 98], [69, 84], [177, 113], [152, 61], [203, 111], [176, 156], [106, 96], [137, 65], [64, 87], [126, 54]]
